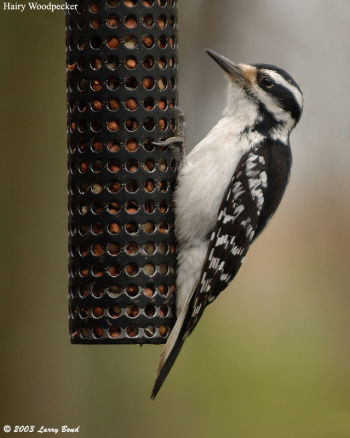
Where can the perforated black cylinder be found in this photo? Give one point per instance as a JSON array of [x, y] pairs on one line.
[[121, 81]]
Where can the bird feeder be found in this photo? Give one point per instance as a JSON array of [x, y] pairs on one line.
[[121, 87]]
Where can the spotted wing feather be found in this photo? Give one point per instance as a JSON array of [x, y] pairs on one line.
[[251, 198]]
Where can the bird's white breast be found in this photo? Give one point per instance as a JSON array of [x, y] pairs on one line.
[[203, 180]]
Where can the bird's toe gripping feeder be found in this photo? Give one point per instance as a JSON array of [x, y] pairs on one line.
[[121, 81]]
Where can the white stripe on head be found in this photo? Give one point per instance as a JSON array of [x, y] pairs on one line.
[[279, 79]]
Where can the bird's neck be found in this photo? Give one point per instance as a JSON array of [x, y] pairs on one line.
[[249, 119]]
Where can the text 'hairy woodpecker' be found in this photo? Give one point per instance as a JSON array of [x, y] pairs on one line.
[[245, 160]]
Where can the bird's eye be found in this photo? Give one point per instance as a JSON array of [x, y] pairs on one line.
[[267, 82]]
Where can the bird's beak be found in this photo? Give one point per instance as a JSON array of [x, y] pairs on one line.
[[233, 70]]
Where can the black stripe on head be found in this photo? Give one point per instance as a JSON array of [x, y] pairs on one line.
[[282, 94], [282, 72], [287, 100]]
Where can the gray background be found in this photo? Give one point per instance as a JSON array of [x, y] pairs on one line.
[[270, 357]]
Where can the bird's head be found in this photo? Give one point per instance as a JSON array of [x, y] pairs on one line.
[[271, 92]]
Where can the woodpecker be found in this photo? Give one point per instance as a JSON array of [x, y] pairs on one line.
[[228, 188]]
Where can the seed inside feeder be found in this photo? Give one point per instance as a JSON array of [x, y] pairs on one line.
[[98, 312], [114, 228], [131, 186], [94, 8], [163, 311], [149, 206], [114, 332], [97, 105], [131, 124], [163, 227], [149, 227], [132, 290], [132, 269], [98, 332], [113, 125], [97, 188], [114, 249], [131, 104], [130, 3], [95, 24], [132, 331], [149, 165], [113, 83], [113, 42], [114, 186], [113, 104], [150, 331], [132, 207], [114, 166], [96, 85], [162, 124], [113, 146], [148, 103], [132, 248], [148, 41], [132, 311], [114, 311], [112, 22], [163, 330], [162, 165], [131, 83], [149, 186], [97, 250], [114, 292], [149, 269], [97, 271], [84, 187], [163, 289], [131, 228], [114, 270], [96, 63], [150, 310], [162, 62], [163, 207], [131, 145], [162, 104], [163, 269], [149, 248], [148, 20], [130, 42], [83, 250], [131, 22], [131, 63], [97, 207], [112, 63], [97, 228], [148, 62], [162, 22], [148, 83], [149, 290], [132, 166]]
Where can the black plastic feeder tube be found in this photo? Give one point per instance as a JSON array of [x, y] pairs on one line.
[[122, 87]]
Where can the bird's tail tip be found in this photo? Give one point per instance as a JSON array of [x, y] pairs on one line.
[[170, 352]]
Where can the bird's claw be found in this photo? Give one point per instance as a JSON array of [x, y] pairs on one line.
[[176, 142]]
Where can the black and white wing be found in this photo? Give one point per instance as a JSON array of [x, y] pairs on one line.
[[251, 198]]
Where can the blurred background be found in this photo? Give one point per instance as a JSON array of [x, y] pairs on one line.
[[271, 357]]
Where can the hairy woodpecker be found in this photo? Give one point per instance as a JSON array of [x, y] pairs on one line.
[[228, 188]]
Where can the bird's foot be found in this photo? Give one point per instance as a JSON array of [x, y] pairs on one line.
[[176, 143]]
